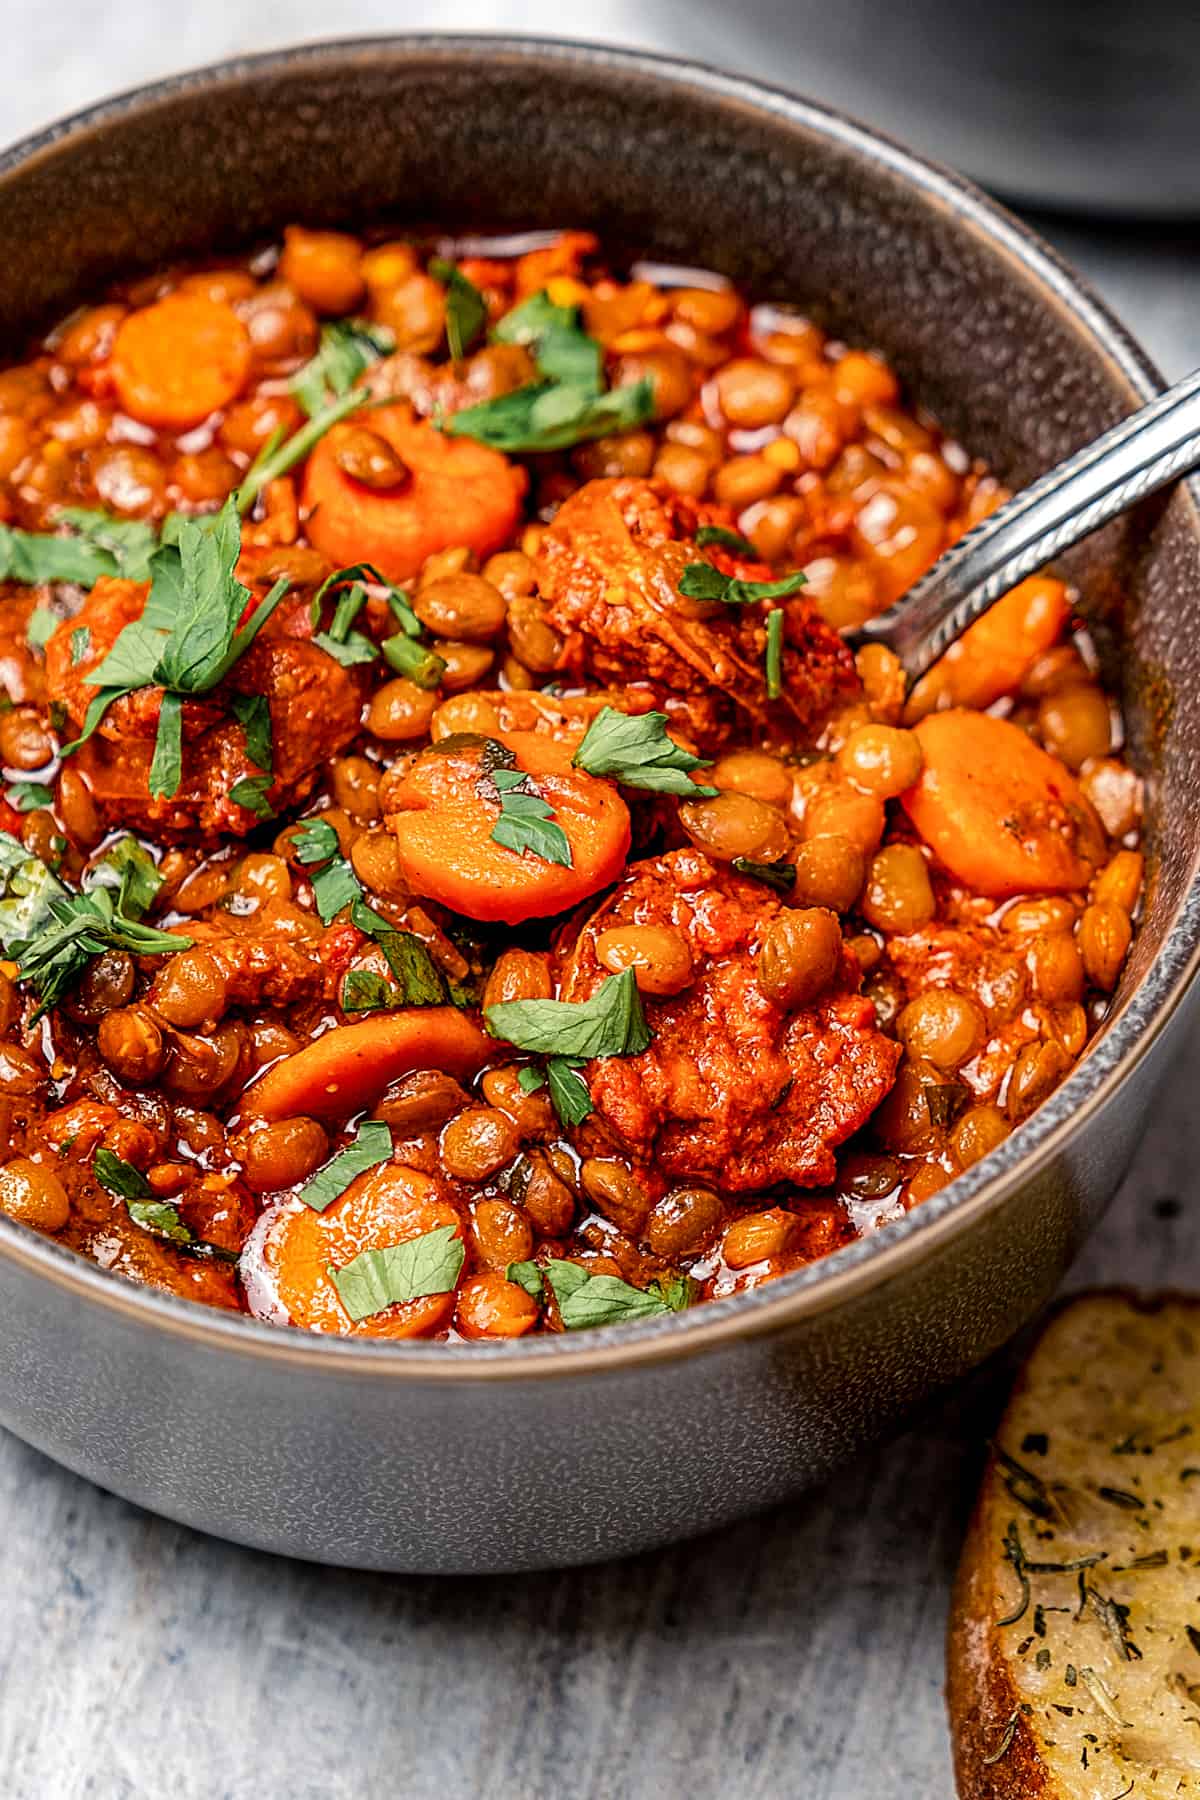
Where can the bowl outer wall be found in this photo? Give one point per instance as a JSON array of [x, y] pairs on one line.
[[412, 1457]]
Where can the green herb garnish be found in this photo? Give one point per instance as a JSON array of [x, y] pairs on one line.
[[98, 545], [354, 648], [779, 875], [344, 645], [365, 991], [466, 308], [162, 1220], [723, 539], [251, 792], [253, 714], [567, 1088], [527, 1275], [406, 657], [553, 416], [377, 1279], [588, 1300], [527, 822], [634, 748], [81, 645], [316, 841], [158, 1217], [398, 600], [419, 981], [129, 1184], [1004, 1742], [187, 639], [611, 1023], [774, 657], [40, 558], [700, 581], [130, 542], [80, 927], [120, 1177], [41, 627], [27, 796], [347, 348], [677, 1292], [282, 454], [27, 889], [372, 1144], [567, 404], [166, 765], [569, 1092], [401, 651], [131, 871], [555, 339], [335, 886]]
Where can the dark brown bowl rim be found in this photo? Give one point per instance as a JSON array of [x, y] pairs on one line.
[[871, 1261]]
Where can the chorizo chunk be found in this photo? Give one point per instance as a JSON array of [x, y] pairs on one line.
[[314, 702], [609, 569], [732, 1088]]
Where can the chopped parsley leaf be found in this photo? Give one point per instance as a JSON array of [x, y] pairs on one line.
[[250, 791], [26, 796], [634, 748], [41, 627], [610, 1023], [372, 1144], [774, 658], [527, 822], [587, 1300], [419, 1267], [466, 308], [700, 581], [253, 714], [365, 991]]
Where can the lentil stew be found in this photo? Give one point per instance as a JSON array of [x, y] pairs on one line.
[[457, 881]]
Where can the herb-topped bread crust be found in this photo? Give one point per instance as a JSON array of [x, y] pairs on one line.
[[1074, 1644]]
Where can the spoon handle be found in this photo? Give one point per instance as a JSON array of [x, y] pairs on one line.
[[1136, 458]]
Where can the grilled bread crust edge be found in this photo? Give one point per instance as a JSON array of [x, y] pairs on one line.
[[998, 1754]]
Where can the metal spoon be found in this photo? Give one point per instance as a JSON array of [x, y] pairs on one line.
[[1137, 457]]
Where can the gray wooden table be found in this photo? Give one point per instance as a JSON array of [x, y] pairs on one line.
[[796, 1654]]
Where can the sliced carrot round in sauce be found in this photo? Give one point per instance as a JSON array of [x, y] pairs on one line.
[[385, 1206], [993, 656], [177, 361], [457, 492], [347, 1067], [443, 829], [1003, 815]]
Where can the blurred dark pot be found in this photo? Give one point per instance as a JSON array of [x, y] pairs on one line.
[[1065, 103]]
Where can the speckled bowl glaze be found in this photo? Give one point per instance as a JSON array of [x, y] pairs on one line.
[[437, 1457]]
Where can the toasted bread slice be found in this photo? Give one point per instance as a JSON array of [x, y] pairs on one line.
[[1074, 1647]]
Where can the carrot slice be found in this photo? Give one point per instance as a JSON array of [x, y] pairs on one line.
[[179, 360], [348, 1067], [387, 1205], [443, 829], [491, 1307], [459, 492], [992, 657], [1002, 814]]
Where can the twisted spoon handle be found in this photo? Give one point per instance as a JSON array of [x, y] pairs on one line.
[[1136, 458]]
